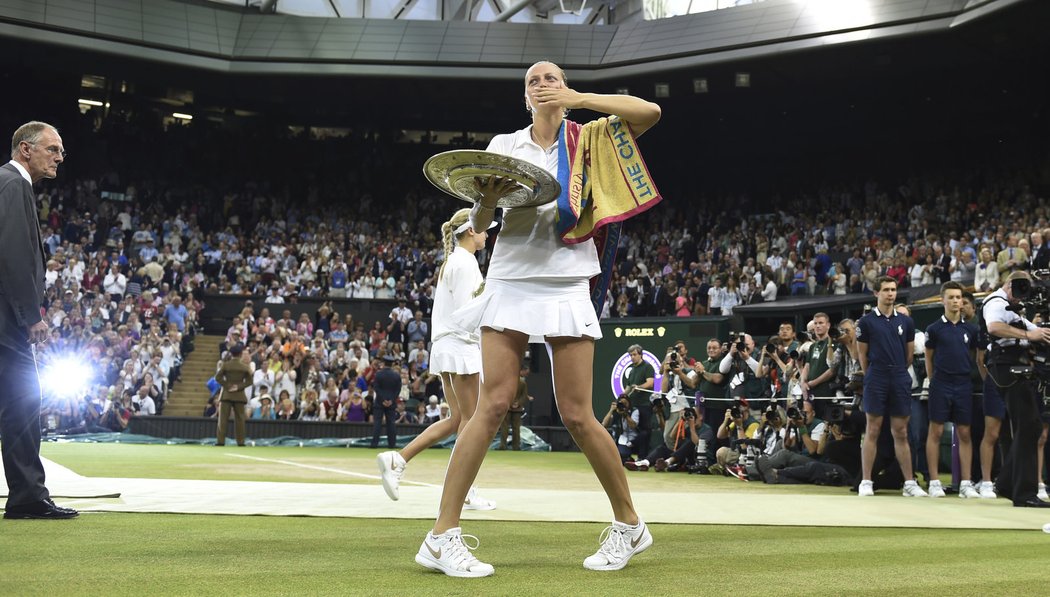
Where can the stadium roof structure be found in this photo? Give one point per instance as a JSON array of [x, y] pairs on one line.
[[238, 38]]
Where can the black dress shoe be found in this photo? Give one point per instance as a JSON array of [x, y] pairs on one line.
[[61, 508], [1032, 503], [45, 510]]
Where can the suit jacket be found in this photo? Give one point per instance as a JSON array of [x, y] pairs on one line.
[[234, 374], [21, 259], [387, 386], [1019, 256], [1042, 258]]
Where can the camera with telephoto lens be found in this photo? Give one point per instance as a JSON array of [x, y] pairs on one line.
[[688, 413], [673, 353], [771, 414], [738, 339], [856, 383], [701, 466], [737, 410], [794, 414], [623, 405]]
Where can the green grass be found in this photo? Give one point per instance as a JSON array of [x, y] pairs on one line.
[[168, 554], [154, 554]]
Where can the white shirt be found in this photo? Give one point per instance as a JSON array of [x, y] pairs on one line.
[[528, 245], [994, 310], [459, 280], [22, 171]]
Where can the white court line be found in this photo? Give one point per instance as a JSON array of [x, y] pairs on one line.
[[326, 469]]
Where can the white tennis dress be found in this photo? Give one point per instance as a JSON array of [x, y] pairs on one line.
[[536, 283]]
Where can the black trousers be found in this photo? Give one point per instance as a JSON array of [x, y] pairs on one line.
[[1019, 478], [377, 426], [645, 429], [20, 427]]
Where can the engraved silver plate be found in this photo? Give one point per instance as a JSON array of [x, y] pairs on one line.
[[454, 172]]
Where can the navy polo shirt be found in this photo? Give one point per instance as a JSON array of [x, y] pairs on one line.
[[887, 339], [952, 343]]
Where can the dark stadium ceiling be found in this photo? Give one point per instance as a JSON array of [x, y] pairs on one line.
[[952, 77]]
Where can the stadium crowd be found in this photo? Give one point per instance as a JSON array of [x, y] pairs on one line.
[[130, 238]]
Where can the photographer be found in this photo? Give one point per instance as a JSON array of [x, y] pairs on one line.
[[1008, 356], [678, 378], [637, 378], [742, 370], [804, 429], [622, 422], [767, 440], [835, 460], [777, 366], [696, 454]]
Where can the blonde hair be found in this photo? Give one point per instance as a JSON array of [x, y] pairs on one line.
[[448, 236]]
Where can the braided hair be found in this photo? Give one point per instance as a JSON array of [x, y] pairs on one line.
[[448, 236]]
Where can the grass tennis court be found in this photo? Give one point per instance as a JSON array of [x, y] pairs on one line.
[[151, 554]]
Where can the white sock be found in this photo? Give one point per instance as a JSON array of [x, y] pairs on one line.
[[912, 482]]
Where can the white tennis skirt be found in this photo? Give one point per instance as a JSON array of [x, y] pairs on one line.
[[539, 307], [452, 354]]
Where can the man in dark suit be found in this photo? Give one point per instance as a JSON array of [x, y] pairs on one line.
[[387, 386], [234, 376], [1040, 251], [36, 152]]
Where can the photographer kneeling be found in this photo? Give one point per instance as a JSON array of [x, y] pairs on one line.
[[622, 422], [1012, 369], [741, 457], [806, 439]]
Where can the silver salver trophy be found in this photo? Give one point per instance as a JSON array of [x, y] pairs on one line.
[[455, 172]]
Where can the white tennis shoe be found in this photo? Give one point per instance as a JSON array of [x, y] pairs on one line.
[[449, 554], [936, 491], [865, 489], [912, 489], [476, 502], [968, 491], [619, 543], [391, 468], [987, 490]]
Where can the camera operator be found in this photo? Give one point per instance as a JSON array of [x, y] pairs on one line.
[[1012, 336], [622, 422], [637, 378], [742, 370]]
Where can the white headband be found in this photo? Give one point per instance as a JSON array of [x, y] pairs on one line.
[[466, 226]]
